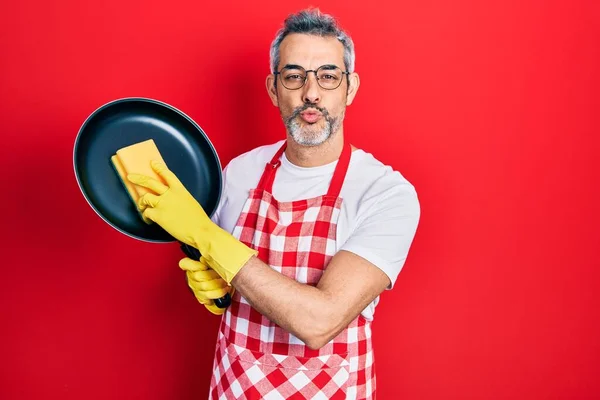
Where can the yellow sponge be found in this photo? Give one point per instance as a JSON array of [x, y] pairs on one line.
[[135, 159]]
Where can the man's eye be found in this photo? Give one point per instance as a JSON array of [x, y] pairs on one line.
[[293, 77], [328, 77]]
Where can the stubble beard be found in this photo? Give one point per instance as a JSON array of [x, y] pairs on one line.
[[311, 134]]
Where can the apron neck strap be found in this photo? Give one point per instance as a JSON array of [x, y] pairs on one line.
[[268, 176], [335, 187], [266, 180]]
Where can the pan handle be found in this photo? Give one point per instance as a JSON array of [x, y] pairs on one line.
[[194, 254]]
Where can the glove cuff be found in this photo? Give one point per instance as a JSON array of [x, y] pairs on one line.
[[224, 253]]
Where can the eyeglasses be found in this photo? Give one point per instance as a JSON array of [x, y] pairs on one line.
[[329, 77]]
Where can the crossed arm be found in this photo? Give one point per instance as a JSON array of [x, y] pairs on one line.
[[313, 314]]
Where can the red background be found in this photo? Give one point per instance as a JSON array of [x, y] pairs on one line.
[[489, 108]]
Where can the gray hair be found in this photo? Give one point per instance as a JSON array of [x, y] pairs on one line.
[[313, 22]]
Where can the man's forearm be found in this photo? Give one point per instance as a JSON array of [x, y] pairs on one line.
[[305, 311]]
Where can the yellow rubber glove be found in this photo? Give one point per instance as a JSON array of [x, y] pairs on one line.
[[178, 213], [205, 283]]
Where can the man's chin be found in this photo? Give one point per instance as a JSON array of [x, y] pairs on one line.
[[309, 138]]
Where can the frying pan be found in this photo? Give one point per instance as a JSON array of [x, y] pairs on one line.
[[184, 146]]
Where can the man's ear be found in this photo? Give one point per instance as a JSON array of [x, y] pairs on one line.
[[352, 87], [272, 89]]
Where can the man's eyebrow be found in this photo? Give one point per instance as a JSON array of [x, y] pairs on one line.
[[292, 66], [296, 66], [329, 66]]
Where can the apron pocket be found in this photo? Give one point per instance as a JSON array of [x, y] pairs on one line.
[[327, 375]]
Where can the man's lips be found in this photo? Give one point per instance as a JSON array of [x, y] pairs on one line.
[[310, 116]]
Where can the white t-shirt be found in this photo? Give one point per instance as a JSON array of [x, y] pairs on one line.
[[380, 209]]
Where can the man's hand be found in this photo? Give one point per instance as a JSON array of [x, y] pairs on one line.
[[172, 207], [178, 212], [205, 283]]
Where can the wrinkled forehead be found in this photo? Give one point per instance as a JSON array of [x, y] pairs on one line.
[[311, 51]]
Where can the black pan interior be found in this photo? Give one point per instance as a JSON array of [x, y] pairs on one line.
[[182, 143]]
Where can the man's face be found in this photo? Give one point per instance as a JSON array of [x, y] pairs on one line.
[[311, 114]]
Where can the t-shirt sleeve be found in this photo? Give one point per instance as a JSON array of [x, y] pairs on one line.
[[216, 217], [385, 233]]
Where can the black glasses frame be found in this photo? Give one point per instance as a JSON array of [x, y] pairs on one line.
[[315, 71]]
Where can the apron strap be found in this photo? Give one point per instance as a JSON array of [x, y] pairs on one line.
[[335, 187], [266, 180]]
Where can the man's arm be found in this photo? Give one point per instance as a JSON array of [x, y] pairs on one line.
[[366, 264], [313, 314]]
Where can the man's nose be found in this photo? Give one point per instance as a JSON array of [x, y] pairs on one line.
[[312, 92]]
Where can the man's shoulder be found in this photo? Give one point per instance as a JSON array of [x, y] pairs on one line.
[[244, 171], [256, 157], [375, 176]]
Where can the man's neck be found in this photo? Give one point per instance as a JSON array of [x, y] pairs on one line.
[[315, 156]]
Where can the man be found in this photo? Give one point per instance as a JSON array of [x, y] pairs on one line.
[[308, 233]]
